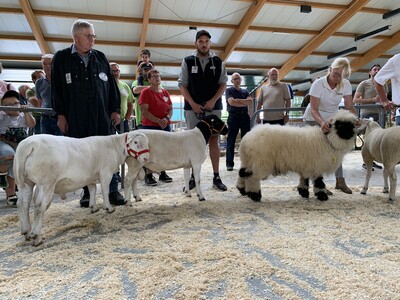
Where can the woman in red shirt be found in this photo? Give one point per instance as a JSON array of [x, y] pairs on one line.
[[156, 106]]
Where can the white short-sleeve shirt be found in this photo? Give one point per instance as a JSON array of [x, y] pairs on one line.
[[391, 70], [329, 98]]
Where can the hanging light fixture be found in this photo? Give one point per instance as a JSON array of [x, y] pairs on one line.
[[371, 33], [340, 53]]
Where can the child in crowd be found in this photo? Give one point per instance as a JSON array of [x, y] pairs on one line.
[[145, 62], [13, 129]]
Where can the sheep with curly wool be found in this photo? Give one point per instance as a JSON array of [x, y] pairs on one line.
[[273, 150], [382, 145]]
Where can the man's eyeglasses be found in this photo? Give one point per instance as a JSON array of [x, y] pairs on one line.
[[156, 76], [89, 36], [115, 71]]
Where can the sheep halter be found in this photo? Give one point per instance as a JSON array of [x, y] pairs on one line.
[[131, 152], [212, 129]]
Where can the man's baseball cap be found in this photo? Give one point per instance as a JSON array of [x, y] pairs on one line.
[[201, 33]]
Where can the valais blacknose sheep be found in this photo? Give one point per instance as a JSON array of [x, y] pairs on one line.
[[57, 165], [382, 145], [273, 150], [173, 150]]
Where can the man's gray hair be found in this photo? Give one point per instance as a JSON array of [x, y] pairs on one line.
[[47, 56], [79, 24]]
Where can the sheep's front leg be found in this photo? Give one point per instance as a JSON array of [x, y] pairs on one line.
[[304, 185], [131, 179], [105, 189], [196, 174], [319, 189], [24, 203], [253, 188], [186, 176], [368, 177], [241, 182], [92, 202]]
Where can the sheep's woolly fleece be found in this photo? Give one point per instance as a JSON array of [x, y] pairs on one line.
[[228, 247]]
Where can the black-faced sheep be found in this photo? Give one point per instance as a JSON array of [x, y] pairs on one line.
[[273, 150], [173, 150], [382, 145]]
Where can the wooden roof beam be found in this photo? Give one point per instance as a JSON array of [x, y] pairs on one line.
[[339, 20], [243, 26], [36, 30]]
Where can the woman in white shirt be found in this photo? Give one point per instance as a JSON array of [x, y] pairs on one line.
[[325, 95]]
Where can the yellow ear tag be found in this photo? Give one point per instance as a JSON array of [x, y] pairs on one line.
[[333, 159]]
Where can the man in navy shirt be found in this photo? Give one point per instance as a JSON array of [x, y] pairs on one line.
[[238, 104]]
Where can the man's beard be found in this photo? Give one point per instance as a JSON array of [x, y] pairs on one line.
[[203, 52], [273, 81]]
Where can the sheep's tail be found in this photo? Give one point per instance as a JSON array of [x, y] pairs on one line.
[[244, 173], [22, 153]]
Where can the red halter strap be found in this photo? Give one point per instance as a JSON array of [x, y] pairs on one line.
[[131, 152]]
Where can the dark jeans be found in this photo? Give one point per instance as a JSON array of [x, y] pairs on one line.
[[126, 126], [236, 120], [48, 125]]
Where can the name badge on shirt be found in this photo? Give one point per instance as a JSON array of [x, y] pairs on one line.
[[212, 68], [103, 76], [195, 69], [165, 98], [123, 92], [68, 78]]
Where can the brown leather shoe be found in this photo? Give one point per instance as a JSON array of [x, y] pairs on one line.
[[341, 185]]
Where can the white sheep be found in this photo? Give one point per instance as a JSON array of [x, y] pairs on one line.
[[57, 165], [173, 150], [273, 150], [382, 145]]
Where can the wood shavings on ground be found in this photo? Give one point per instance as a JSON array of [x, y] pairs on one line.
[[172, 247]]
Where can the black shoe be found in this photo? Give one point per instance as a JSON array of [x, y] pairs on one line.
[[12, 200], [375, 165], [365, 167], [217, 183], [116, 198], [164, 177], [229, 168], [3, 181], [84, 202], [150, 180]]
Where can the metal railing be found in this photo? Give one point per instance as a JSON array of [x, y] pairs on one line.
[[378, 107]]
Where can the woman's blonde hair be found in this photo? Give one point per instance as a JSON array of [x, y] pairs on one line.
[[343, 63]]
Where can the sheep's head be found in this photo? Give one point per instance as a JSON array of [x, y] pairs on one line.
[[371, 125], [344, 124], [137, 146], [216, 125]]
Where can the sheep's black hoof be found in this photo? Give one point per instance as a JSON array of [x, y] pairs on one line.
[[322, 196], [303, 192], [255, 196], [242, 191], [202, 199]]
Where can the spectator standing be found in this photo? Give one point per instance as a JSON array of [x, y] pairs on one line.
[[202, 82], [31, 96], [366, 94], [144, 63], [156, 106], [85, 95], [23, 100], [238, 104], [126, 97], [326, 94], [48, 121], [136, 90], [390, 70], [13, 129], [275, 94]]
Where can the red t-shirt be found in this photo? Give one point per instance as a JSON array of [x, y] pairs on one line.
[[159, 104]]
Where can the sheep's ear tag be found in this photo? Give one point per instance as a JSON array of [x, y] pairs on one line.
[[212, 120]]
